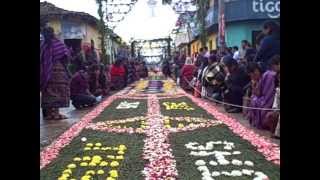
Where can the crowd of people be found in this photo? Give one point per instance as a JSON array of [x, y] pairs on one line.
[[245, 79], [78, 76]]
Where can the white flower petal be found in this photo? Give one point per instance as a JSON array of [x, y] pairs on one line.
[[215, 173], [206, 173], [236, 152], [200, 163], [213, 163], [225, 173], [236, 162], [207, 178], [248, 163], [236, 173], [203, 169], [261, 175]]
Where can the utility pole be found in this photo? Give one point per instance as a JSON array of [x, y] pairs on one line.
[[221, 24]]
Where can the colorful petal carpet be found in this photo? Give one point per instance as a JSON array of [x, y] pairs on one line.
[[156, 131]]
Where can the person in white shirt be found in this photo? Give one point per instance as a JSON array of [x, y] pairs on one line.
[[236, 53]]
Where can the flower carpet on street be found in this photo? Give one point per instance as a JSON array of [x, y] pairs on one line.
[[114, 112], [158, 136], [128, 105]]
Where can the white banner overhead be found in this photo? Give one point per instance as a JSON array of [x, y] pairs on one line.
[[182, 38]]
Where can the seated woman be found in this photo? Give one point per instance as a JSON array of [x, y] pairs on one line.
[[254, 70], [264, 96], [117, 74], [235, 82], [272, 121], [98, 81], [186, 75], [80, 94]]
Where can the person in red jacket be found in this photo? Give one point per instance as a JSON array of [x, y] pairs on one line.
[[187, 72], [117, 74]]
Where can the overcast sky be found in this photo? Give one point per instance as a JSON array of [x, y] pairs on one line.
[[138, 24]]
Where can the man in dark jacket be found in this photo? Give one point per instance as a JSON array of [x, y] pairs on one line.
[[235, 82], [270, 44]]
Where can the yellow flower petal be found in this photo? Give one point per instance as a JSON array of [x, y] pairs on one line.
[[110, 157], [72, 166], [110, 178], [113, 173], [92, 164], [67, 171], [114, 164], [76, 159], [96, 148], [103, 163], [98, 144], [89, 144], [100, 171], [86, 177], [120, 152], [119, 157], [87, 148], [86, 158], [99, 158], [84, 164], [90, 172], [65, 175]]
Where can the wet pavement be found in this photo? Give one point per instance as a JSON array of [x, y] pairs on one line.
[[50, 130]]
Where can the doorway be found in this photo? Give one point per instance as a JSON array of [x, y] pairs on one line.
[[73, 43]]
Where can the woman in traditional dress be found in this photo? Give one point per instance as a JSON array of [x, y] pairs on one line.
[[186, 75], [272, 121], [98, 81], [54, 76], [255, 72], [264, 96], [117, 75]]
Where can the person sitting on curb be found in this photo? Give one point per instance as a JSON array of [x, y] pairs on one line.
[[80, 94]]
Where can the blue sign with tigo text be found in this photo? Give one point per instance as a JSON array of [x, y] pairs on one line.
[[239, 10]]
